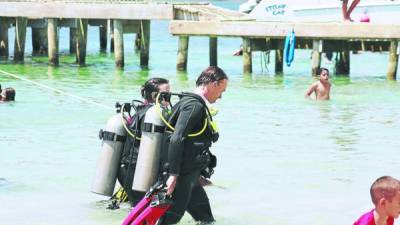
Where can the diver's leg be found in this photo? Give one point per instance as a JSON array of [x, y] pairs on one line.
[[199, 205], [125, 178], [180, 199], [136, 197]]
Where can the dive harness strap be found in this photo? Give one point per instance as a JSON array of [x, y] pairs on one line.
[[149, 127], [214, 132], [111, 136]]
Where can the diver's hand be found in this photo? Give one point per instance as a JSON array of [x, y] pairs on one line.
[[171, 183]]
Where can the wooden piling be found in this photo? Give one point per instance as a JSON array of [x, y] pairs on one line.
[[81, 41], [39, 41], [183, 47], [247, 61], [103, 38], [72, 40], [137, 41], [145, 43], [213, 51], [110, 25], [342, 65], [4, 38], [118, 43], [20, 36], [316, 57], [393, 60], [52, 35], [278, 61]]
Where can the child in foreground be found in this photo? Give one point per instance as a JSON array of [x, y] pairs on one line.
[[385, 194]]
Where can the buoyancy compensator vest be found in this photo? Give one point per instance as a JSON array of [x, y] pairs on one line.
[[205, 157], [132, 142]]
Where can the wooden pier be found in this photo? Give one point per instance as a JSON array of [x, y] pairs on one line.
[[112, 17], [115, 18], [318, 37]]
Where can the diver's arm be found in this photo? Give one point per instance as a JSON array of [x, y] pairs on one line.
[[190, 115]]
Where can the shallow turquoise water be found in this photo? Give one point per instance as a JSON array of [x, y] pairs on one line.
[[282, 159]]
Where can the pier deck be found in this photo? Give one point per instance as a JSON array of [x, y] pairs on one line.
[[319, 37], [126, 10], [254, 29]]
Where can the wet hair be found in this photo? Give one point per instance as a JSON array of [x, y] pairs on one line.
[[322, 69], [384, 187], [211, 74], [150, 87], [9, 94]]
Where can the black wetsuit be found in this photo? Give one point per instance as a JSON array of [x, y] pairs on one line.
[[129, 157], [186, 159]]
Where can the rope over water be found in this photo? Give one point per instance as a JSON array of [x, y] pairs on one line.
[[57, 90]]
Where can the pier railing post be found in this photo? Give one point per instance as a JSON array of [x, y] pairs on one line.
[[183, 47], [4, 38], [213, 51], [52, 35], [316, 57], [393, 60], [144, 43], [81, 41], [278, 61], [247, 61], [20, 36], [118, 43]]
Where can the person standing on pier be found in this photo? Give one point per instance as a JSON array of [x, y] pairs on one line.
[[346, 12], [321, 88]]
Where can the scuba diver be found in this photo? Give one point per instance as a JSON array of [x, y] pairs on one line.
[[130, 150], [189, 135]]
